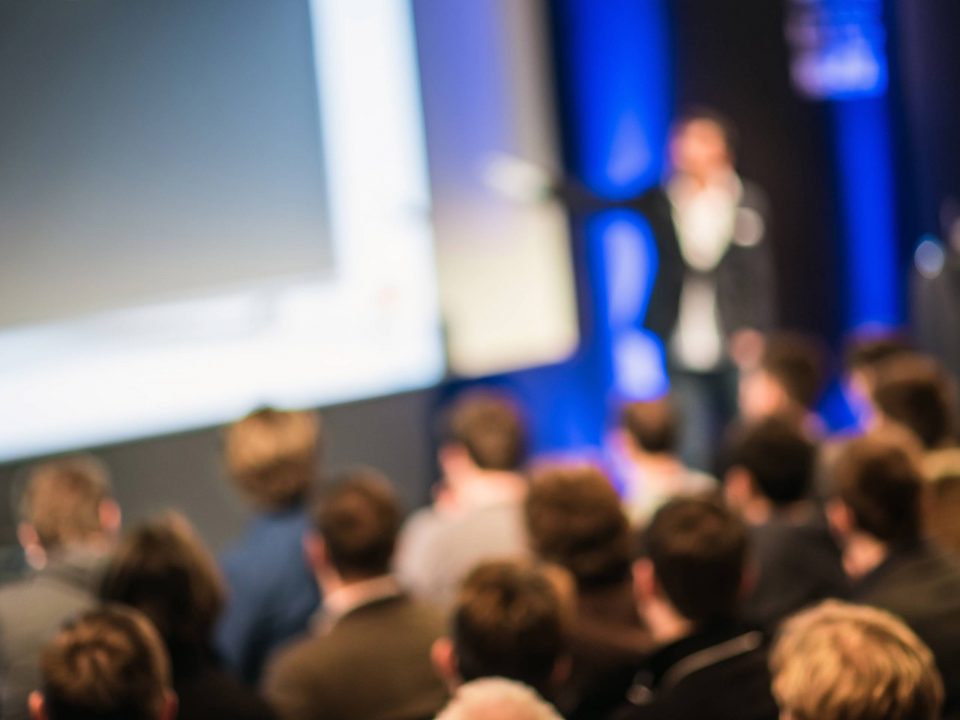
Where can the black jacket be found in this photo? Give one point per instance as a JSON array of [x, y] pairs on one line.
[[921, 584], [719, 673], [798, 564], [744, 275]]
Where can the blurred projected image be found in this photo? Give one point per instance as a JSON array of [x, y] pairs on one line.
[[202, 210]]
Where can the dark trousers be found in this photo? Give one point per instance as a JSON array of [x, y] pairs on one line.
[[707, 403]]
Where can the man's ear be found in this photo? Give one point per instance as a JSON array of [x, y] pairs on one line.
[[315, 551], [644, 580], [110, 516], [840, 518], [171, 703], [36, 706], [737, 487], [444, 659], [562, 670], [30, 542]]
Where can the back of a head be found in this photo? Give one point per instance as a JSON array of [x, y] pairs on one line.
[[879, 479], [779, 458], [499, 698], [163, 569], [508, 621], [866, 353], [63, 500], [847, 662], [916, 392], [109, 664], [651, 425], [273, 456], [576, 520], [796, 362], [942, 509], [490, 427], [698, 550], [359, 519]]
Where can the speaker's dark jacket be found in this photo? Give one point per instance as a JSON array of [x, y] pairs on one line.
[[744, 275]]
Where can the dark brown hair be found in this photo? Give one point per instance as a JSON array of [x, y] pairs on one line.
[[508, 621], [698, 549], [163, 569], [490, 427], [879, 479], [778, 456], [917, 393], [108, 664], [359, 519], [575, 519], [797, 362], [652, 424]]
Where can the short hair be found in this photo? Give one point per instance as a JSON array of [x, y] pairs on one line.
[[508, 621], [704, 113], [878, 478], [576, 519], [163, 569], [779, 457], [942, 472], [359, 519], [651, 424], [490, 427], [108, 664], [866, 352], [916, 392], [698, 550], [273, 456], [797, 363], [838, 661], [63, 499], [497, 698]]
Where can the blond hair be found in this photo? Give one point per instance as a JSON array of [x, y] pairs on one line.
[[62, 500], [497, 698], [272, 455], [838, 661]]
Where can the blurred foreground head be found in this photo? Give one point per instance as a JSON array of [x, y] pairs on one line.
[[847, 662], [109, 664], [498, 698], [482, 430]]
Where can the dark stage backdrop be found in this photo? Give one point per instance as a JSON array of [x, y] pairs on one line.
[[733, 55]]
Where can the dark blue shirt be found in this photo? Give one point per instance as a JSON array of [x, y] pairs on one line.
[[272, 592]]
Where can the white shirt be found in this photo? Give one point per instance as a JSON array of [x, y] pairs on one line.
[[705, 219]]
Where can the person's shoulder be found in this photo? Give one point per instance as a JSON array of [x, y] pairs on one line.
[[214, 693]]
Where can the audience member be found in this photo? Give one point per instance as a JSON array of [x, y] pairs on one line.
[[915, 392], [108, 664], [163, 570], [575, 520], [368, 658], [508, 621], [769, 484], [877, 512], [68, 523], [649, 432], [787, 382], [497, 699], [942, 506], [863, 356], [689, 586], [848, 662], [478, 510], [273, 457]]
